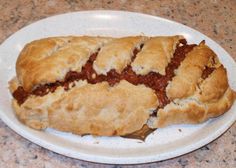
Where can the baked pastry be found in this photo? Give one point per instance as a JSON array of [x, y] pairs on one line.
[[116, 86]]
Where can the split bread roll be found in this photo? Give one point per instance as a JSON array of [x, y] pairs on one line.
[[114, 86]]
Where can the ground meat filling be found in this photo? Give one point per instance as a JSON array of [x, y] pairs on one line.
[[20, 95], [152, 80], [207, 71]]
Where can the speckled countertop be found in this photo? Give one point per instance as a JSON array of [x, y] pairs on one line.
[[215, 18]]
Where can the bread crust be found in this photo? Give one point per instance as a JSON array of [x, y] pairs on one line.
[[101, 109], [48, 60], [90, 109], [212, 98], [190, 71], [156, 48], [117, 54]]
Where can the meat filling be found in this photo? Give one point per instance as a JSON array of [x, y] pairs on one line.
[[20, 95], [152, 80], [207, 71]]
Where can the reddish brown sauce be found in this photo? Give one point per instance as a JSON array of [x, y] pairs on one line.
[[152, 80], [20, 95], [207, 71]]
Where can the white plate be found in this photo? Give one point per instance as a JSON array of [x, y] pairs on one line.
[[162, 144]]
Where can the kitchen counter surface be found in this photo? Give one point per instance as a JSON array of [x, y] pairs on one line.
[[215, 18]]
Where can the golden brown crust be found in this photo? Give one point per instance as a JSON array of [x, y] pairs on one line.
[[212, 88], [187, 75], [191, 111], [212, 98], [13, 84], [48, 60], [91, 109], [116, 54], [156, 48], [101, 109]]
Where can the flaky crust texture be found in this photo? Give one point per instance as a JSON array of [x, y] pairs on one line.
[[101, 109]]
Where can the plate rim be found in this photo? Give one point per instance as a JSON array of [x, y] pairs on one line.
[[113, 160]]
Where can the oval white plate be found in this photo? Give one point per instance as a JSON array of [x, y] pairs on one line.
[[163, 143]]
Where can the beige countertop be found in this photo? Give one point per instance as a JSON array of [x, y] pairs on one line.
[[215, 18]]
